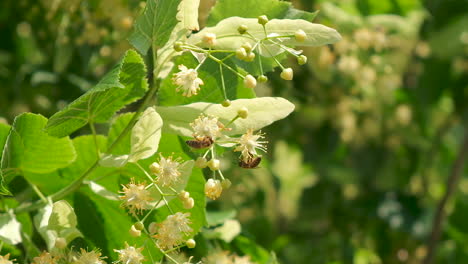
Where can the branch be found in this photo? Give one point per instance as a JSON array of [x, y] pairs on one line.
[[440, 215]]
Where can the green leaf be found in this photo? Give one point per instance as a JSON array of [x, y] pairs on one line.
[[188, 14], [252, 9], [105, 224], [110, 160], [317, 34], [4, 131], [262, 112], [146, 135], [155, 24], [211, 91], [29, 149], [118, 124], [218, 217], [124, 84], [454, 32]]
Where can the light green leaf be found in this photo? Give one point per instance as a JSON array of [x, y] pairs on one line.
[[262, 112], [155, 24], [57, 220], [118, 124], [188, 14], [317, 34], [124, 84], [10, 229], [103, 192], [110, 160], [218, 217], [146, 135], [30, 149], [4, 131]]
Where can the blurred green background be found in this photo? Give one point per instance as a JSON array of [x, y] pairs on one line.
[[355, 174]]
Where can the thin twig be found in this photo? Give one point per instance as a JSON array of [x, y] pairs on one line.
[[440, 215]]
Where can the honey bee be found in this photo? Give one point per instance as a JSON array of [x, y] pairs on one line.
[[200, 143], [251, 163]]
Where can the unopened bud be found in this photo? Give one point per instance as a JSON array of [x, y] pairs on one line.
[[250, 81], [242, 29], [153, 228], [300, 35], [262, 79], [134, 232], [155, 168], [226, 103], [200, 163], [183, 195], [210, 39], [287, 74], [250, 57], [191, 243], [243, 112], [60, 243], [213, 164], [301, 60], [262, 20], [226, 183], [189, 203], [178, 46], [247, 46], [139, 226], [241, 53]]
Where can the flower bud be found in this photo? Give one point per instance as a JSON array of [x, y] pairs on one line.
[[213, 164], [243, 112], [262, 20], [183, 195], [209, 39], [287, 74], [60, 243], [250, 57], [226, 103], [134, 232], [250, 81], [226, 183], [153, 228], [200, 163], [242, 29], [301, 60], [139, 226], [213, 189], [189, 203], [178, 46], [247, 46], [241, 53], [191, 243], [300, 35], [262, 79], [155, 168]]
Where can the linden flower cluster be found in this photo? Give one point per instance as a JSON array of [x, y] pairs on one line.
[[187, 80], [89, 257], [6, 259], [130, 255], [208, 132], [173, 231], [136, 197]]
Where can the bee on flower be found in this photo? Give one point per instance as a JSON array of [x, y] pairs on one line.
[[206, 127], [174, 230], [167, 171], [135, 197], [91, 257], [187, 81], [248, 144], [130, 255]]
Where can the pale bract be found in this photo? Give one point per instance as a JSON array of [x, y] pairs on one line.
[[146, 135], [262, 112], [316, 34]]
